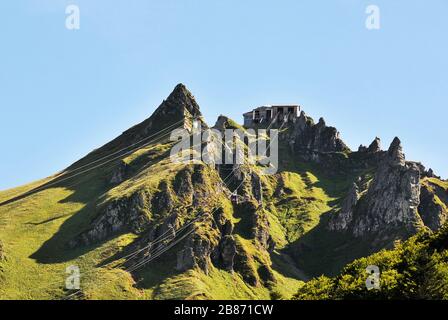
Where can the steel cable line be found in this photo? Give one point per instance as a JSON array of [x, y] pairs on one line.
[[58, 180], [118, 151], [266, 151], [152, 256], [160, 251]]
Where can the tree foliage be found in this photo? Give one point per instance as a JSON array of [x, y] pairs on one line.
[[414, 269]]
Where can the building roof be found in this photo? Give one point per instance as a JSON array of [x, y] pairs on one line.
[[285, 105], [266, 107]]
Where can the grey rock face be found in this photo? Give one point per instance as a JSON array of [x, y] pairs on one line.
[[389, 203], [182, 99], [315, 137], [163, 200], [312, 142], [183, 185], [375, 146], [119, 174], [257, 191], [226, 252], [221, 249], [342, 220], [259, 225], [180, 104], [224, 225], [185, 259], [198, 251], [118, 216], [395, 154]]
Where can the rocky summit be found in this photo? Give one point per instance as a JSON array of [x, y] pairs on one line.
[[140, 226]]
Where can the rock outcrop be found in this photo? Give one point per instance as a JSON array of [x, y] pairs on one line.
[[306, 137], [375, 146], [197, 252], [121, 215], [177, 211], [226, 252], [389, 204], [119, 173], [343, 219], [136, 212]]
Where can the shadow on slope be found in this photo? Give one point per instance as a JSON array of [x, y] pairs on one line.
[[55, 249], [87, 190]]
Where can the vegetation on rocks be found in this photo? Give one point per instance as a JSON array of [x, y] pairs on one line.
[[141, 226]]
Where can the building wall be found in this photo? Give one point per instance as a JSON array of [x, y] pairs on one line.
[[262, 113]]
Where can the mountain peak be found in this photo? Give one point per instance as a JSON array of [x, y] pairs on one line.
[[180, 86], [174, 112], [183, 100], [180, 91]]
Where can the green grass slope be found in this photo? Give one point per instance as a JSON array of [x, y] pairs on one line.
[[35, 230]]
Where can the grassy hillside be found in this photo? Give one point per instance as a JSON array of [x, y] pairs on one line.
[[35, 230], [40, 220]]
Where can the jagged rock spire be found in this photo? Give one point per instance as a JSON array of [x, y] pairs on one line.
[[321, 122], [375, 146], [395, 153]]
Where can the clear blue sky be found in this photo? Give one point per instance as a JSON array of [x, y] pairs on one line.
[[64, 93]]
